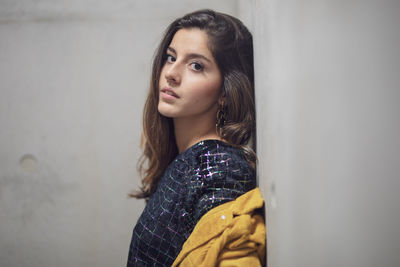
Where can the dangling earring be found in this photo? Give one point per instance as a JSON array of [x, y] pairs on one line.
[[220, 118]]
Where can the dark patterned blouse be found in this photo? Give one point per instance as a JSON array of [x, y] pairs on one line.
[[206, 175]]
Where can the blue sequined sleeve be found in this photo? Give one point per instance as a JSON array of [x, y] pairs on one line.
[[218, 175]]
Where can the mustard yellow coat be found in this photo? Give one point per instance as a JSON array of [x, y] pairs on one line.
[[232, 234]]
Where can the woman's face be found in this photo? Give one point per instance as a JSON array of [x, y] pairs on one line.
[[190, 79]]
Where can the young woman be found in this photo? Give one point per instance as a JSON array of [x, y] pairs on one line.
[[197, 124]]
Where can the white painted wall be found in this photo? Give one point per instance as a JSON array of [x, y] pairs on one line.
[[328, 124], [74, 76]]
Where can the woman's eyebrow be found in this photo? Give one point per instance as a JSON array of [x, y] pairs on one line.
[[171, 49], [190, 55]]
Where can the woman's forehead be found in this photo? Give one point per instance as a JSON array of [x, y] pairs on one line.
[[191, 41]]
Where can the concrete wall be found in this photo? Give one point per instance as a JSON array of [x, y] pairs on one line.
[[328, 124], [73, 81], [74, 76]]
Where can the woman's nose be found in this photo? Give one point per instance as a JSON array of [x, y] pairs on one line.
[[172, 75]]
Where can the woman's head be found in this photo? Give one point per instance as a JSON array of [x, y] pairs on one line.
[[231, 48], [190, 83]]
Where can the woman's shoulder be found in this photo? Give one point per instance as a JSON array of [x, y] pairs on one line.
[[213, 151], [215, 159]]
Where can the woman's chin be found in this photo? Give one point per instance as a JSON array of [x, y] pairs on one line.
[[166, 113]]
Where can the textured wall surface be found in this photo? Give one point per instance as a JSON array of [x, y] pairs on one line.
[[74, 77], [327, 77]]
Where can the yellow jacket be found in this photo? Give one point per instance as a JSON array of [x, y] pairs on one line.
[[231, 234]]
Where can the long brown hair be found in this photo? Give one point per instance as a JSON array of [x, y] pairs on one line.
[[232, 47]]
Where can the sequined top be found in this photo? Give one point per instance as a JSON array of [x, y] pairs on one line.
[[206, 175]]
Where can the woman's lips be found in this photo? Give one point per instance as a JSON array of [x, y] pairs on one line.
[[168, 93]]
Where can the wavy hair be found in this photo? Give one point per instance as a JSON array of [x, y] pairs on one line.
[[230, 42]]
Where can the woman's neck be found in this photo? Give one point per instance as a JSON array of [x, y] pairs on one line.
[[189, 131]]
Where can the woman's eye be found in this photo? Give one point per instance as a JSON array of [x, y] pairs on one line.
[[170, 59], [196, 66]]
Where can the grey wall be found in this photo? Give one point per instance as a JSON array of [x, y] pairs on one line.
[[328, 124], [73, 81], [74, 77]]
